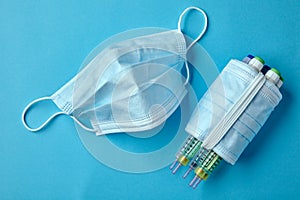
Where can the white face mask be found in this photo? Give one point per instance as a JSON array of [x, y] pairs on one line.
[[132, 85]]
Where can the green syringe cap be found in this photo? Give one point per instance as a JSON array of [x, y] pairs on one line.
[[257, 63], [277, 72], [260, 59]]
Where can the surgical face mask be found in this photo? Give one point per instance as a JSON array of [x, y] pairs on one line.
[[131, 85], [228, 117], [235, 108]]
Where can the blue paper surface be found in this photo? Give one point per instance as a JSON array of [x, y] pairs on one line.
[[42, 46]]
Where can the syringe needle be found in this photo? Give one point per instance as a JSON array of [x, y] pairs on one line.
[[197, 182], [187, 172], [176, 168], [173, 164], [192, 182]]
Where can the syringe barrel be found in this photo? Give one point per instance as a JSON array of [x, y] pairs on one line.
[[188, 150]]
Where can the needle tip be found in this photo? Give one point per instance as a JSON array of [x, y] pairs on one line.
[[192, 182], [196, 183], [187, 172], [173, 164], [176, 168]]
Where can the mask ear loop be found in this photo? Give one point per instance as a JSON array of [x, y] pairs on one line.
[[50, 118], [196, 39]]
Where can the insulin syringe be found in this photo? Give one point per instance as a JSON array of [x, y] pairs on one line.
[[206, 161], [186, 153], [192, 145], [203, 161]]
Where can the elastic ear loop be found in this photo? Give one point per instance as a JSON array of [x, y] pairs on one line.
[[196, 39], [50, 118]]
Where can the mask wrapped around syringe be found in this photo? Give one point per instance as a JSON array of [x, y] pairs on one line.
[[234, 109]]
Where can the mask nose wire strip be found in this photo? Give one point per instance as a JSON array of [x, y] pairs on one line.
[[49, 119], [196, 39]]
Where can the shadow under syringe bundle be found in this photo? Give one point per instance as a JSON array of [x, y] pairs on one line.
[[228, 116]]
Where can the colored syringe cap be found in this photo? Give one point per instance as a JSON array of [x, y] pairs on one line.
[[280, 81], [250, 56], [247, 58], [277, 72], [265, 69], [260, 59], [274, 76], [257, 63]]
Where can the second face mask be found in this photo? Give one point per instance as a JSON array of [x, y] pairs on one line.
[[132, 85]]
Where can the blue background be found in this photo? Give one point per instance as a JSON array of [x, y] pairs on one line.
[[42, 45]]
